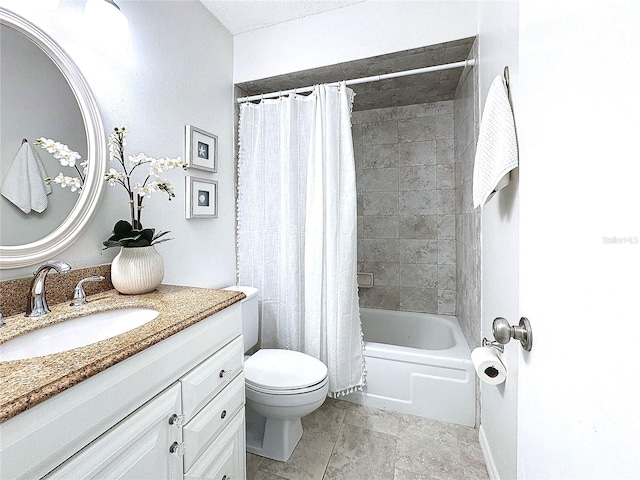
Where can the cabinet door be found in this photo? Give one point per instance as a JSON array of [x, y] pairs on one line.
[[136, 448], [225, 458]]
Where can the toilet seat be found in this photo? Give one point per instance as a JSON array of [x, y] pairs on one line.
[[297, 391], [284, 372]]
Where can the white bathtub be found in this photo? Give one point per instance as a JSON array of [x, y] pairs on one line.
[[417, 363]]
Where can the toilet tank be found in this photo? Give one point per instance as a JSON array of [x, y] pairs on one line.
[[249, 315]]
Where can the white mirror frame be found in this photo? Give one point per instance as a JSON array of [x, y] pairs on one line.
[[72, 227]]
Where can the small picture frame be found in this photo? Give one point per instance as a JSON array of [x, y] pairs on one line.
[[202, 149], [201, 198]]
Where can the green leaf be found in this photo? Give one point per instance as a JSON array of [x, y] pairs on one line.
[[147, 234], [160, 235], [155, 242], [110, 243], [124, 235], [140, 242], [122, 228]]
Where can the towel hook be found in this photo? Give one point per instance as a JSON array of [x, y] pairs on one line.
[[24, 140], [506, 76]]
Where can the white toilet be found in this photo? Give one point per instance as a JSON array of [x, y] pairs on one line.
[[281, 387]]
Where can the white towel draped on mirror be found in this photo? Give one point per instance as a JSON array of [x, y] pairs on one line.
[[297, 228]]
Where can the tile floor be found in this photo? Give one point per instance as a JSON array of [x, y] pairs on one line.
[[345, 441]]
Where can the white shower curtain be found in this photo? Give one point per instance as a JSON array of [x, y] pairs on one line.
[[297, 228]]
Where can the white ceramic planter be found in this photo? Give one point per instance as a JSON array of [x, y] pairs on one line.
[[137, 270]]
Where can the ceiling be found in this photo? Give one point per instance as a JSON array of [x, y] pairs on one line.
[[410, 90], [240, 16]]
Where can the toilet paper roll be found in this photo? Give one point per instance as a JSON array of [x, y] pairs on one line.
[[488, 365]]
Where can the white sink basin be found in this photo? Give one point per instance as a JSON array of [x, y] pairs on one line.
[[74, 333]]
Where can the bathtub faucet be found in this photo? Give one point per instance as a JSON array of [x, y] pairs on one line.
[[37, 304]]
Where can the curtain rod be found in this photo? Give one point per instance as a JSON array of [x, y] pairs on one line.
[[356, 81]]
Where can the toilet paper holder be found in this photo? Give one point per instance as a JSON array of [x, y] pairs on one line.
[[503, 332], [488, 343]]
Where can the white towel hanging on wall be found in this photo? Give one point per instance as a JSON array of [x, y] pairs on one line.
[[497, 150], [24, 184]]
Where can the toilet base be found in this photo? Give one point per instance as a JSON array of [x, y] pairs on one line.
[[274, 438]]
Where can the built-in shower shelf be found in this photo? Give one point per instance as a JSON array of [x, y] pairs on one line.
[[365, 280]]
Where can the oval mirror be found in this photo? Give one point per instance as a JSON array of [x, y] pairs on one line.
[[44, 95]]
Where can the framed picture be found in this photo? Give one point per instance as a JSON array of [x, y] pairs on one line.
[[202, 149], [201, 198]]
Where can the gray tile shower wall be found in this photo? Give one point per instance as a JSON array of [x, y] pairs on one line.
[[467, 219], [405, 167]]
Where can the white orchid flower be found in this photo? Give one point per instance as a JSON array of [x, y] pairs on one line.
[[112, 176], [64, 181], [60, 151], [116, 146], [137, 159]]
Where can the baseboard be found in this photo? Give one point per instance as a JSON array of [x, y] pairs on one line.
[[486, 453]]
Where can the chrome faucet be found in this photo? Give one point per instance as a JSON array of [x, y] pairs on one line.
[[37, 305]]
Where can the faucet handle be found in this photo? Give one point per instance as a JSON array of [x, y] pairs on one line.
[[79, 295]]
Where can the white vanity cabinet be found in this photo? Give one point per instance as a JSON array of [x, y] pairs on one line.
[[174, 410], [136, 448]]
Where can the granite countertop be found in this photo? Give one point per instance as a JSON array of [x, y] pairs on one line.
[[26, 383]]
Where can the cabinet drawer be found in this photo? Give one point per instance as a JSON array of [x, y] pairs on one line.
[[225, 458], [203, 429], [205, 381]]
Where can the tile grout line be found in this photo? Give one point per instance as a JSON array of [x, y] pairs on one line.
[[395, 452], [333, 449]]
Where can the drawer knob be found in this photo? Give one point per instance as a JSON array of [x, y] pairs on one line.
[[223, 414], [225, 373], [176, 420], [178, 449]]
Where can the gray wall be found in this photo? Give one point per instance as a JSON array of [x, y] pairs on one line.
[[417, 230], [177, 70], [406, 206], [466, 114]]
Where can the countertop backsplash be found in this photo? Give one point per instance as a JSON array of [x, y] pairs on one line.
[[14, 293]]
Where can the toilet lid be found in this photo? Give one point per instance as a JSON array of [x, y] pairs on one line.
[[269, 369]]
